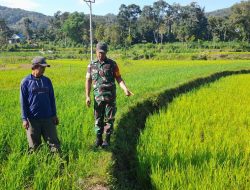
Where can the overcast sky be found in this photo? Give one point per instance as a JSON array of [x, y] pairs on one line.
[[103, 7]]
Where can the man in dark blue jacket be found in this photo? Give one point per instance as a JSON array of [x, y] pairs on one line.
[[39, 108]]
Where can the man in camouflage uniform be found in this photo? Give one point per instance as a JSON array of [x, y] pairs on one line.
[[102, 73]]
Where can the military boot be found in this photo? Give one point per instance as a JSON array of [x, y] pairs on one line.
[[98, 141], [106, 142]]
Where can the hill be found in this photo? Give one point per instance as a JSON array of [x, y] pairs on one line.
[[220, 13], [13, 17]]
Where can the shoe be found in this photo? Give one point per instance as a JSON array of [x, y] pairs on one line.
[[106, 142], [98, 141]]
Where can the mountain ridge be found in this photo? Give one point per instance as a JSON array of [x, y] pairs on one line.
[[220, 12], [14, 16]]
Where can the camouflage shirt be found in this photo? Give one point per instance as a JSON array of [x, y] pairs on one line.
[[103, 75]]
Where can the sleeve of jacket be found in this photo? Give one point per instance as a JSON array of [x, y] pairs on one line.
[[88, 74], [52, 98], [24, 100]]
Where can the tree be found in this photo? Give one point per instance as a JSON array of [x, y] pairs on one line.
[[170, 17], [75, 26], [220, 28], [55, 32], [99, 33], [26, 28], [240, 18], [112, 34], [127, 19], [191, 22], [147, 24], [4, 32], [162, 31], [43, 34], [159, 9]]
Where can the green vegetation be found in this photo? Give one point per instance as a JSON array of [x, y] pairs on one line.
[[82, 166], [201, 140], [178, 51], [159, 50], [158, 23], [15, 16]]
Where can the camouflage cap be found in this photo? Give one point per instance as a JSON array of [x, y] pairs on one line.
[[39, 60], [102, 47]]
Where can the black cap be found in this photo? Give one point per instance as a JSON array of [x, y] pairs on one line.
[[102, 47], [39, 60]]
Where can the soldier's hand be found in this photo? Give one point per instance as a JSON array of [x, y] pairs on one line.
[[26, 124], [128, 92], [55, 120], [88, 101]]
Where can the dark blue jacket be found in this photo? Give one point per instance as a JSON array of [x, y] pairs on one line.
[[37, 98]]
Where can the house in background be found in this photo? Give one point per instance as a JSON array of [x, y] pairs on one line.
[[16, 38]]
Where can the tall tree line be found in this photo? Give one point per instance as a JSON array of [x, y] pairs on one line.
[[157, 23]]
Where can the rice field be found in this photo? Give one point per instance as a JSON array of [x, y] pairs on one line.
[[201, 140], [81, 166]]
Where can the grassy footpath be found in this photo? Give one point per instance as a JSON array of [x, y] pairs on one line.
[[201, 140], [82, 166]]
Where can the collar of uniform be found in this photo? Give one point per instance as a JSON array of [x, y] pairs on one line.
[[102, 62]]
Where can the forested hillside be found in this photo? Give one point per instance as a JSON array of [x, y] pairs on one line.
[[15, 17], [221, 12]]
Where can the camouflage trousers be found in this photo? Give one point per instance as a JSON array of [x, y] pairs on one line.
[[104, 113]]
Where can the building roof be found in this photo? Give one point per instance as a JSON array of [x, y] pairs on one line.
[[17, 36]]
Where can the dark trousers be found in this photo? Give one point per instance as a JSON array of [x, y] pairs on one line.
[[45, 128], [104, 113]]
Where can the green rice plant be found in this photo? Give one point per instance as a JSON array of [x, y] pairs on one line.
[[201, 140], [81, 166]]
